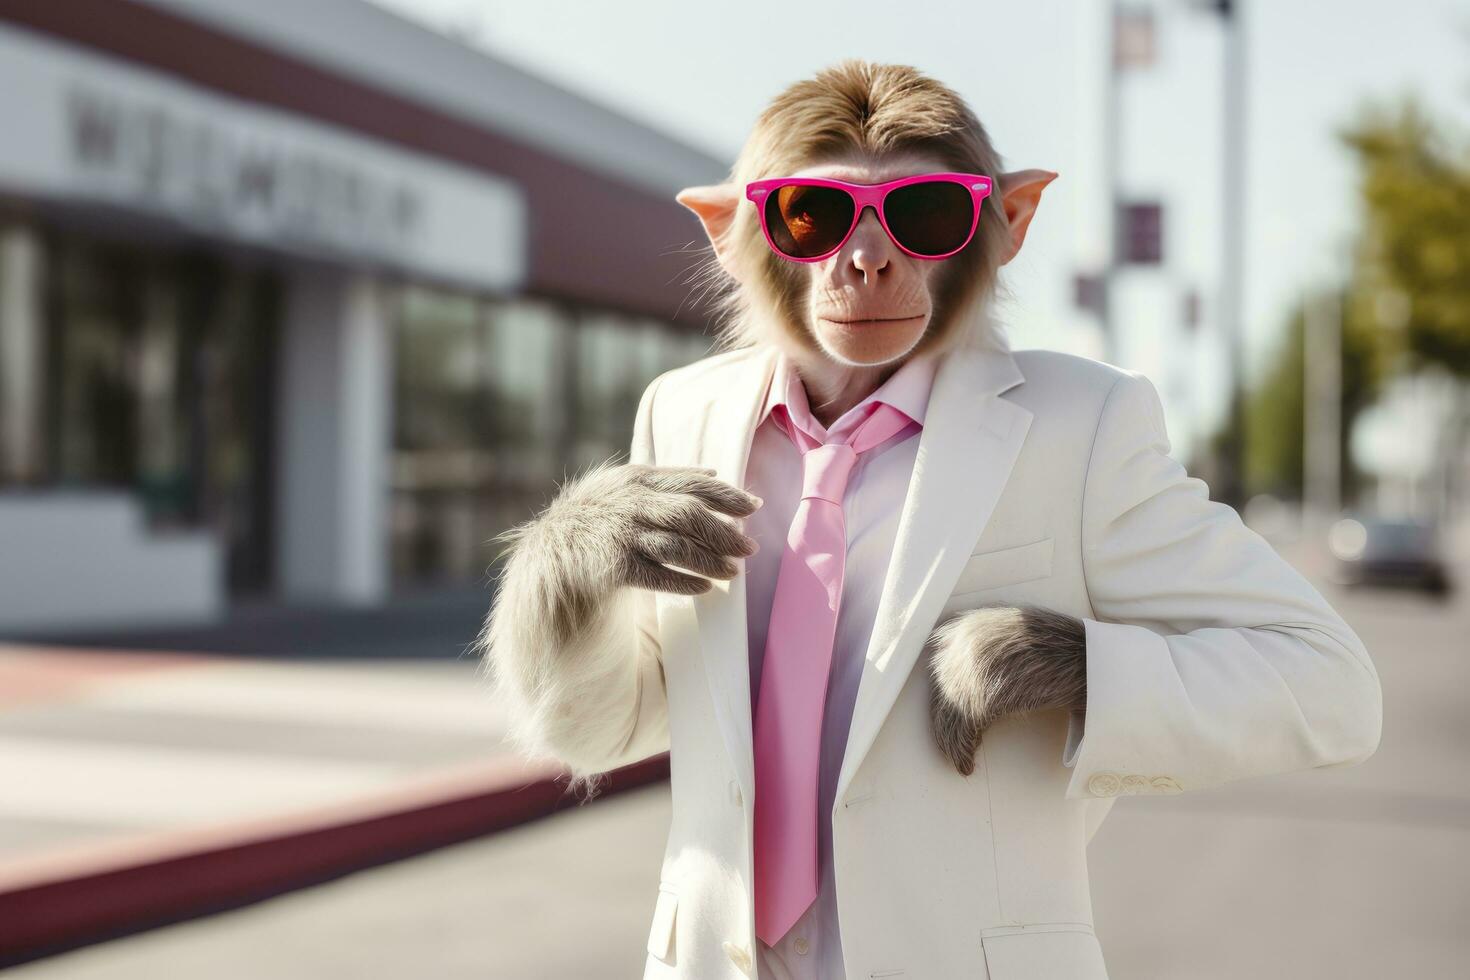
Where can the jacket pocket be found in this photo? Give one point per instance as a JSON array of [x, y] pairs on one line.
[[1043, 949], [1005, 566], [661, 935]]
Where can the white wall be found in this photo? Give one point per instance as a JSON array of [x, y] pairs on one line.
[[334, 430], [73, 560]]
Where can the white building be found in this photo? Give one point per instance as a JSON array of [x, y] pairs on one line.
[[302, 300]]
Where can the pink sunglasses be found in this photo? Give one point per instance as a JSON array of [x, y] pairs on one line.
[[928, 216]]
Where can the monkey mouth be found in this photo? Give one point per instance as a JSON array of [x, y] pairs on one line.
[[871, 320]]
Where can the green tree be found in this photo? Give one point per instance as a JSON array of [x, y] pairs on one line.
[[1413, 258], [1406, 304], [1414, 244], [1275, 423]]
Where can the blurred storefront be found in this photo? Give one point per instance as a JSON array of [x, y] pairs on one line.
[[304, 302]]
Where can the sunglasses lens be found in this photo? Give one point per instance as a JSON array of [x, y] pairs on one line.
[[805, 222], [932, 217]]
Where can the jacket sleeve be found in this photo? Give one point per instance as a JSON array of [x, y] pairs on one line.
[[600, 703], [1210, 658]]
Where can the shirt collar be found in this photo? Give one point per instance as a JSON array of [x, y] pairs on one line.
[[907, 390]]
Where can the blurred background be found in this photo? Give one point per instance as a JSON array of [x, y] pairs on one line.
[[302, 303]]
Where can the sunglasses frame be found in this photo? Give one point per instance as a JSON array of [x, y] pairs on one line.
[[865, 195]]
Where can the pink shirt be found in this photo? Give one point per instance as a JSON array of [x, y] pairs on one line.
[[874, 498]]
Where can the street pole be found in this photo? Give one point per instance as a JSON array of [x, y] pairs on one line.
[[1112, 143], [1322, 410], [1232, 206]]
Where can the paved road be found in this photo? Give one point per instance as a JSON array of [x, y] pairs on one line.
[[1361, 872]]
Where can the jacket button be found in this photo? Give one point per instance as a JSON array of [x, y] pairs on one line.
[[735, 792], [737, 955], [1104, 784]]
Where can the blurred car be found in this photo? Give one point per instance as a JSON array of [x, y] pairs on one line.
[[1389, 552]]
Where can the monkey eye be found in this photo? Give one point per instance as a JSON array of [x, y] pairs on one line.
[[807, 221], [931, 218]]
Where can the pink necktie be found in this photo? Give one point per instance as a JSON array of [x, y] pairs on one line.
[[793, 684]]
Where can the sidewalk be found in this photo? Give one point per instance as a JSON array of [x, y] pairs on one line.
[[142, 788]]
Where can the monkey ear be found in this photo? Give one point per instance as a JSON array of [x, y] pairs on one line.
[[1020, 193], [715, 206]]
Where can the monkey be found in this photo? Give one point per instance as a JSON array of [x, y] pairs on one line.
[[556, 633], [848, 309]]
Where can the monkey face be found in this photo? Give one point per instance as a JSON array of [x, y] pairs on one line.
[[869, 303], [850, 318]]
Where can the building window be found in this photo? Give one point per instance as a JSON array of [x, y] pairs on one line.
[[159, 373], [616, 357], [496, 402]]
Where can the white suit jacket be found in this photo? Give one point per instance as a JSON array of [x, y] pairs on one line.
[[1041, 478]]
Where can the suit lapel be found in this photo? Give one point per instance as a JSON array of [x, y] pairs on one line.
[[725, 430], [967, 448]]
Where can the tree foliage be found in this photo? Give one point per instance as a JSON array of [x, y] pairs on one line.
[[1275, 422], [1413, 258], [1406, 303]]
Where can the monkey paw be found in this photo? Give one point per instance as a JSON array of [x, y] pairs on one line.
[[991, 662]]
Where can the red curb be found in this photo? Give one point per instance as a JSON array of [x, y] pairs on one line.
[[54, 904]]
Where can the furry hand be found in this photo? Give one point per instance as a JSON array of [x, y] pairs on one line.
[[639, 518], [623, 525], [995, 661]]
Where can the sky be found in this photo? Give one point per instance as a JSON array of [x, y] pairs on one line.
[[1033, 74]]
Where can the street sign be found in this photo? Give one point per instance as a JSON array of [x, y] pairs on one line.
[[1140, 233], [1089, 292], [1133, 38]]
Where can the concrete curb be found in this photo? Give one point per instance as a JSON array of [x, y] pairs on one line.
[[84, 896]]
